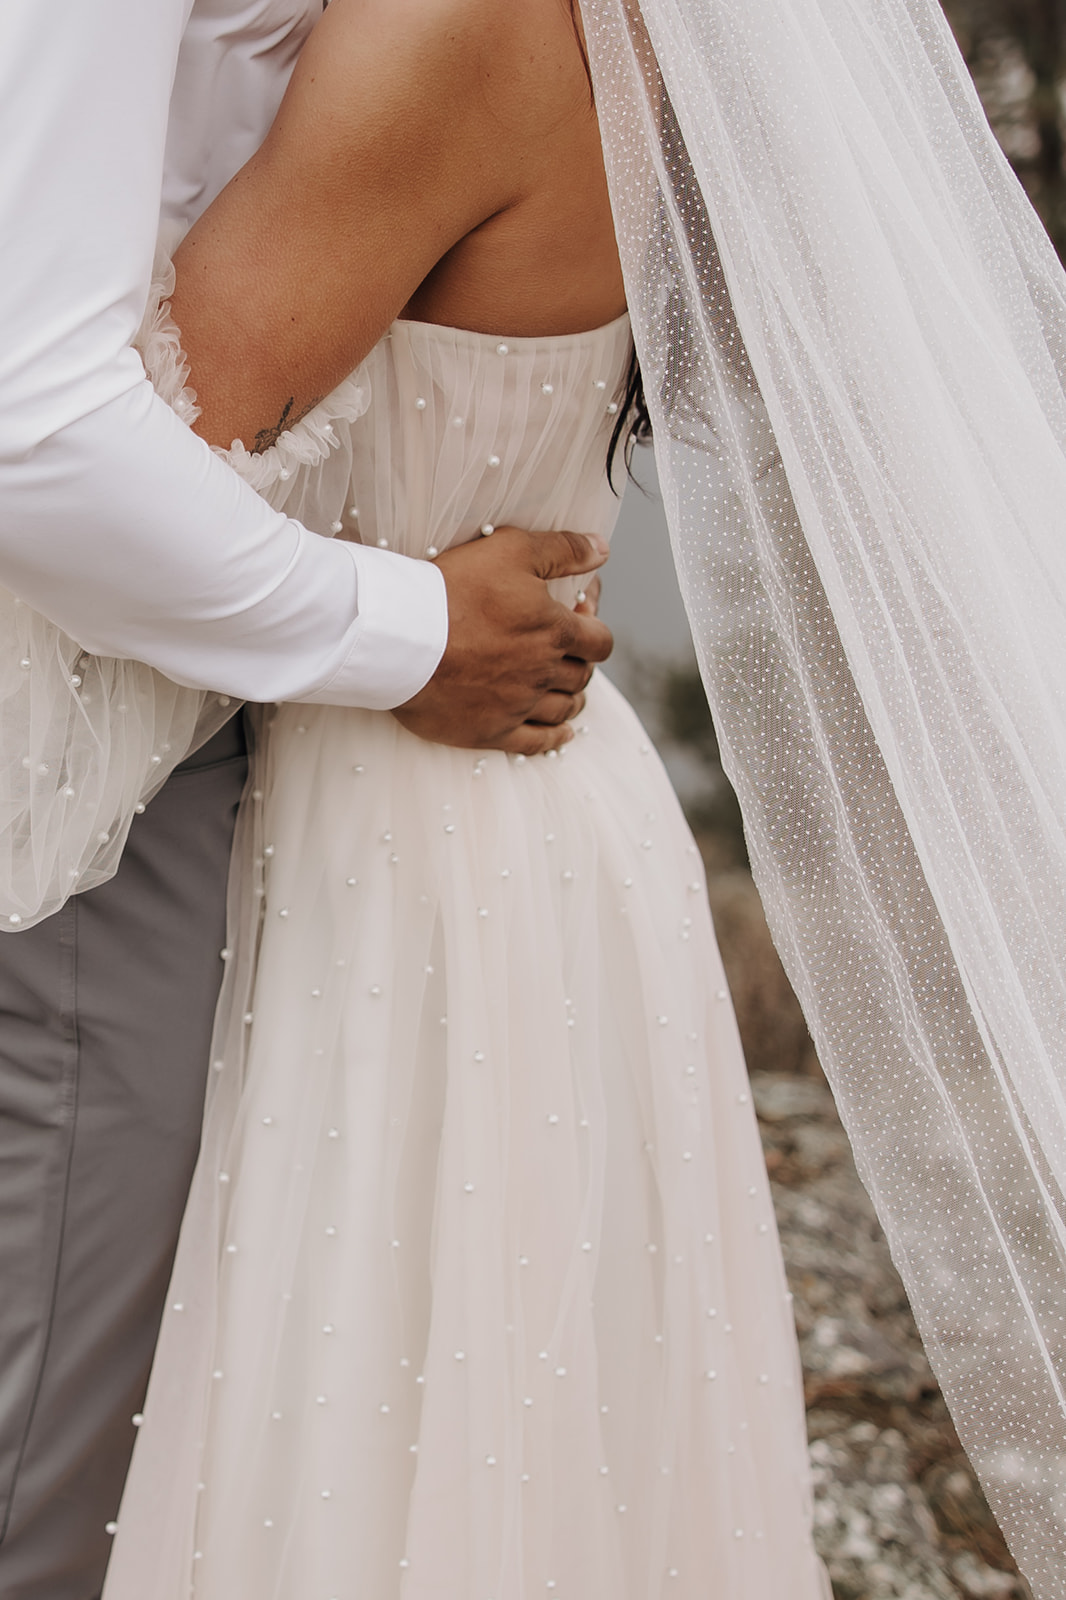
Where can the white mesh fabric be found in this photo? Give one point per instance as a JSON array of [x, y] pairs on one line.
[[86, 741], [851, 330]]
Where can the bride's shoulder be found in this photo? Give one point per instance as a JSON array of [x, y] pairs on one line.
[[420, 23], [519, 53], [429, 18]]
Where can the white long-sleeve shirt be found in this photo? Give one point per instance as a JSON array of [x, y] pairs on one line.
[[115, 521]]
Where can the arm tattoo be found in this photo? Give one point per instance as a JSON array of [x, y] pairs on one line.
[[288, 419], [268, 436]]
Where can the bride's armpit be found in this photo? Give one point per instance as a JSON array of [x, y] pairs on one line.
[[405, 127]]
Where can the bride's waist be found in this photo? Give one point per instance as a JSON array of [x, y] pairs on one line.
[[346, 779], [344, 736]]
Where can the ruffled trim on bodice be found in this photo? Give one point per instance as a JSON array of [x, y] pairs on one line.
[[306, 444], [159, 343]]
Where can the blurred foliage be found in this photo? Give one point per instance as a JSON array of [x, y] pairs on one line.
[[685, 720], [1016, 51]]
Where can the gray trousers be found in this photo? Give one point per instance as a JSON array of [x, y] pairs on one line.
[[105, 1023]]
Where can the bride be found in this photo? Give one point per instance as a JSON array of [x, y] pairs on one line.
[[479, 1293], [476, 1033]]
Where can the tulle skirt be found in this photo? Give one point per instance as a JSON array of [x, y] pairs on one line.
[[479, 1294]]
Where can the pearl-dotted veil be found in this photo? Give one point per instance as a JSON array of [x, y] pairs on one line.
[[853, 337]]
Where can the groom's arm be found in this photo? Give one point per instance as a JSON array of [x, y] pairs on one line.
[[117, 522]]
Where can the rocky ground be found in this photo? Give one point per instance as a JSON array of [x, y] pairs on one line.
[[898, 1511]]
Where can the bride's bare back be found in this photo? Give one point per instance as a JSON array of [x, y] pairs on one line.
[[438, 159]]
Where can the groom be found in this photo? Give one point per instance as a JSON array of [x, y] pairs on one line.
[[119, 524]]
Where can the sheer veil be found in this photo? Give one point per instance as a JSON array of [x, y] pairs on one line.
[[853, 337]]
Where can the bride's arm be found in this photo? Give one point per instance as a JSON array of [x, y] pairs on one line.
[[389, 148], [407, 125]]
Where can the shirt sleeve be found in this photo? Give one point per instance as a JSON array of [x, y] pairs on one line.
[[115, 521]]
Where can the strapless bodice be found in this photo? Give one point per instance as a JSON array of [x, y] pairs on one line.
[[468, 430], [438, 435]]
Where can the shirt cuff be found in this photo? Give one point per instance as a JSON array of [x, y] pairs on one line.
[[399, 636]]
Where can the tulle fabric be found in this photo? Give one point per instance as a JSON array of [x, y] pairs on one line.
[[852, 334], [88, 739], [479, 1295]]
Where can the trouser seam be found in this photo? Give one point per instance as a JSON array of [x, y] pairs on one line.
[[69, 983]]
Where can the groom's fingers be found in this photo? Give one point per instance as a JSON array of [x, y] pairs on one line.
[[569, 676], [516, 659], [554, 709], [581, 637], [529, 739], [563, 554], [566, 555]]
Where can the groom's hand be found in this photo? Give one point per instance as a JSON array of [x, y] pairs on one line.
[[517, 662]]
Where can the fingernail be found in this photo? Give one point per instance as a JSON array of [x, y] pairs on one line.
[[599, 544]]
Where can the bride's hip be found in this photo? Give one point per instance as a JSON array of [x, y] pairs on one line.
[[332, 778], [342, 736]]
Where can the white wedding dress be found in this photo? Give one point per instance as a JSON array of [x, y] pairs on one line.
[[479, 1294]]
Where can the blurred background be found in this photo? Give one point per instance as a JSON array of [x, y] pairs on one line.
[[898, 1513]]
